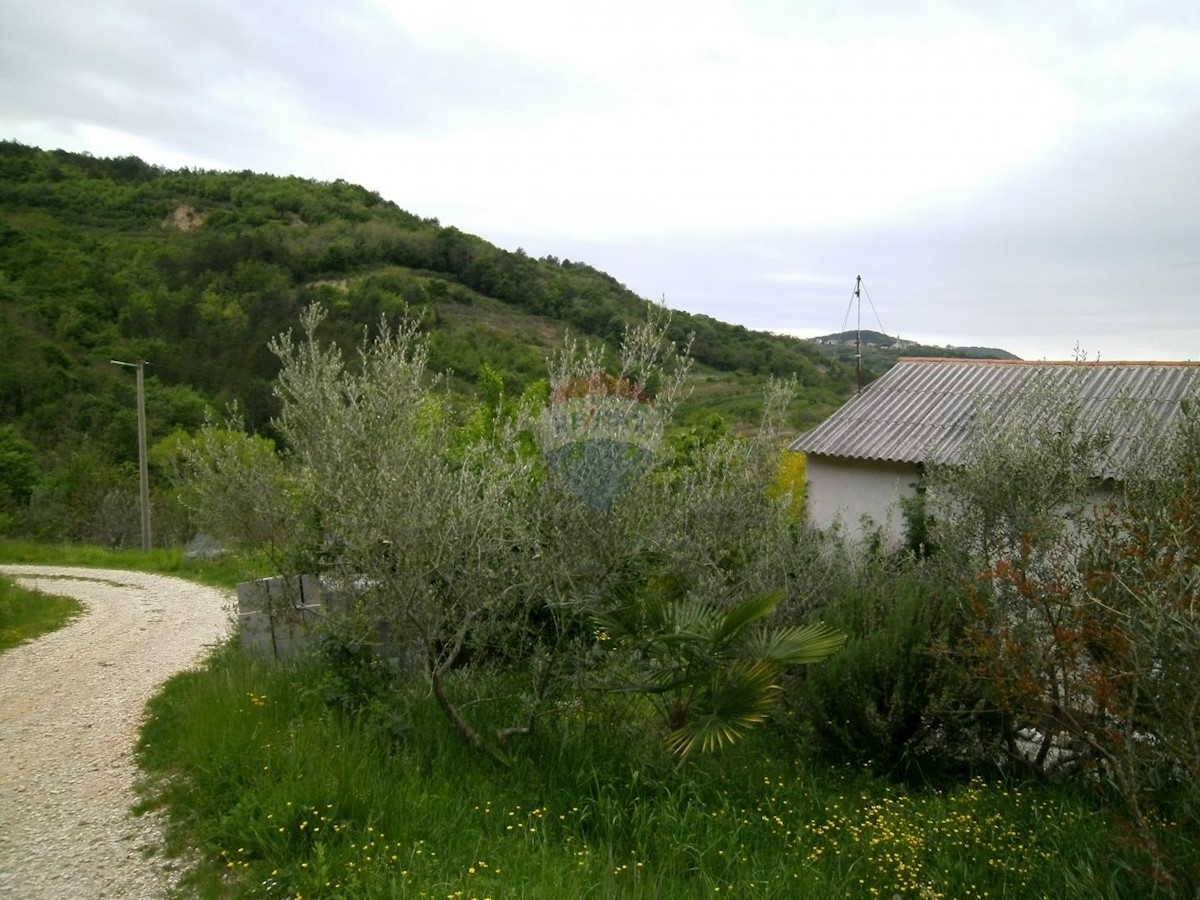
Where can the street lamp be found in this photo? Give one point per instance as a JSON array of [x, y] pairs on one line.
[[143, 474]]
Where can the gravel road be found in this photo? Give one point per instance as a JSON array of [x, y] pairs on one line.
[[70, 706]]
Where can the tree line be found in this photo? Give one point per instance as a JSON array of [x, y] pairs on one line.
[[194, 271]]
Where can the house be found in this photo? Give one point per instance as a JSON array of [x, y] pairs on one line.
[[870, 453]]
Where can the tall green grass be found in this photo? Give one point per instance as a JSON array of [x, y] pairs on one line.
[[286, 797], [25, 614], [221, 571]]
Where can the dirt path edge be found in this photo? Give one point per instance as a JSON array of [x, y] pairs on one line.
[[71, 703]]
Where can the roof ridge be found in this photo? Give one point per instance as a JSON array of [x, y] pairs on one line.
[[1047, 362]]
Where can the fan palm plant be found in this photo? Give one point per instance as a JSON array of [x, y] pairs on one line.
[[712, 671]]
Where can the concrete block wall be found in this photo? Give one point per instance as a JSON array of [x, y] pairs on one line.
[[278, 615]]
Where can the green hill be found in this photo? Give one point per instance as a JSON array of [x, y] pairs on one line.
[[193, 271]]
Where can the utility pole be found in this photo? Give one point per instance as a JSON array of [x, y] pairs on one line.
[[143, 472]]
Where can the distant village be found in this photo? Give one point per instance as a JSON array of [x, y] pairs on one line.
[[870, 339]]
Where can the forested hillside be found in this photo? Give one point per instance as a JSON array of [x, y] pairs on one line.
[[194, 271]]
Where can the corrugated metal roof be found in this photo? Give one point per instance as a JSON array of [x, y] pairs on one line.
[[925, 410]]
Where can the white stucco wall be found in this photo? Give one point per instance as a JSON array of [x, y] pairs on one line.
[[845, 490]]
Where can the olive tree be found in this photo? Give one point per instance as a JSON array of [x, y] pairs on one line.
[[512, 544], [428, 535]]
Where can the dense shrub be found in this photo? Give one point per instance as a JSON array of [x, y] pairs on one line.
[[1083, 624], [892, 698]]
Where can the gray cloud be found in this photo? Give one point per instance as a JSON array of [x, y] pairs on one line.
[[196, 76], [1091, 236]]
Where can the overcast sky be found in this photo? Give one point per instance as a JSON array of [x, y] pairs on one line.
[[1024, 175]]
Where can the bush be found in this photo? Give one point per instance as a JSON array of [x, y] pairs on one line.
[[352, 677], [1083, 624], [892, 698]]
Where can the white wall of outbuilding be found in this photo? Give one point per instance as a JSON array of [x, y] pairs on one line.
[[859, 495]]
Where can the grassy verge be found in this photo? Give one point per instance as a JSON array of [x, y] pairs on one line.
[[286, 797], [223, 571], [25, 615]]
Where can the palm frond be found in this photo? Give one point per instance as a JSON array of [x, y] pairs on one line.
[[742, 615], [740, 697], [695, 620], [800, 644], [659, 614]]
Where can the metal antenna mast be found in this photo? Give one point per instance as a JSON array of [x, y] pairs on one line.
[[858, 336]]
